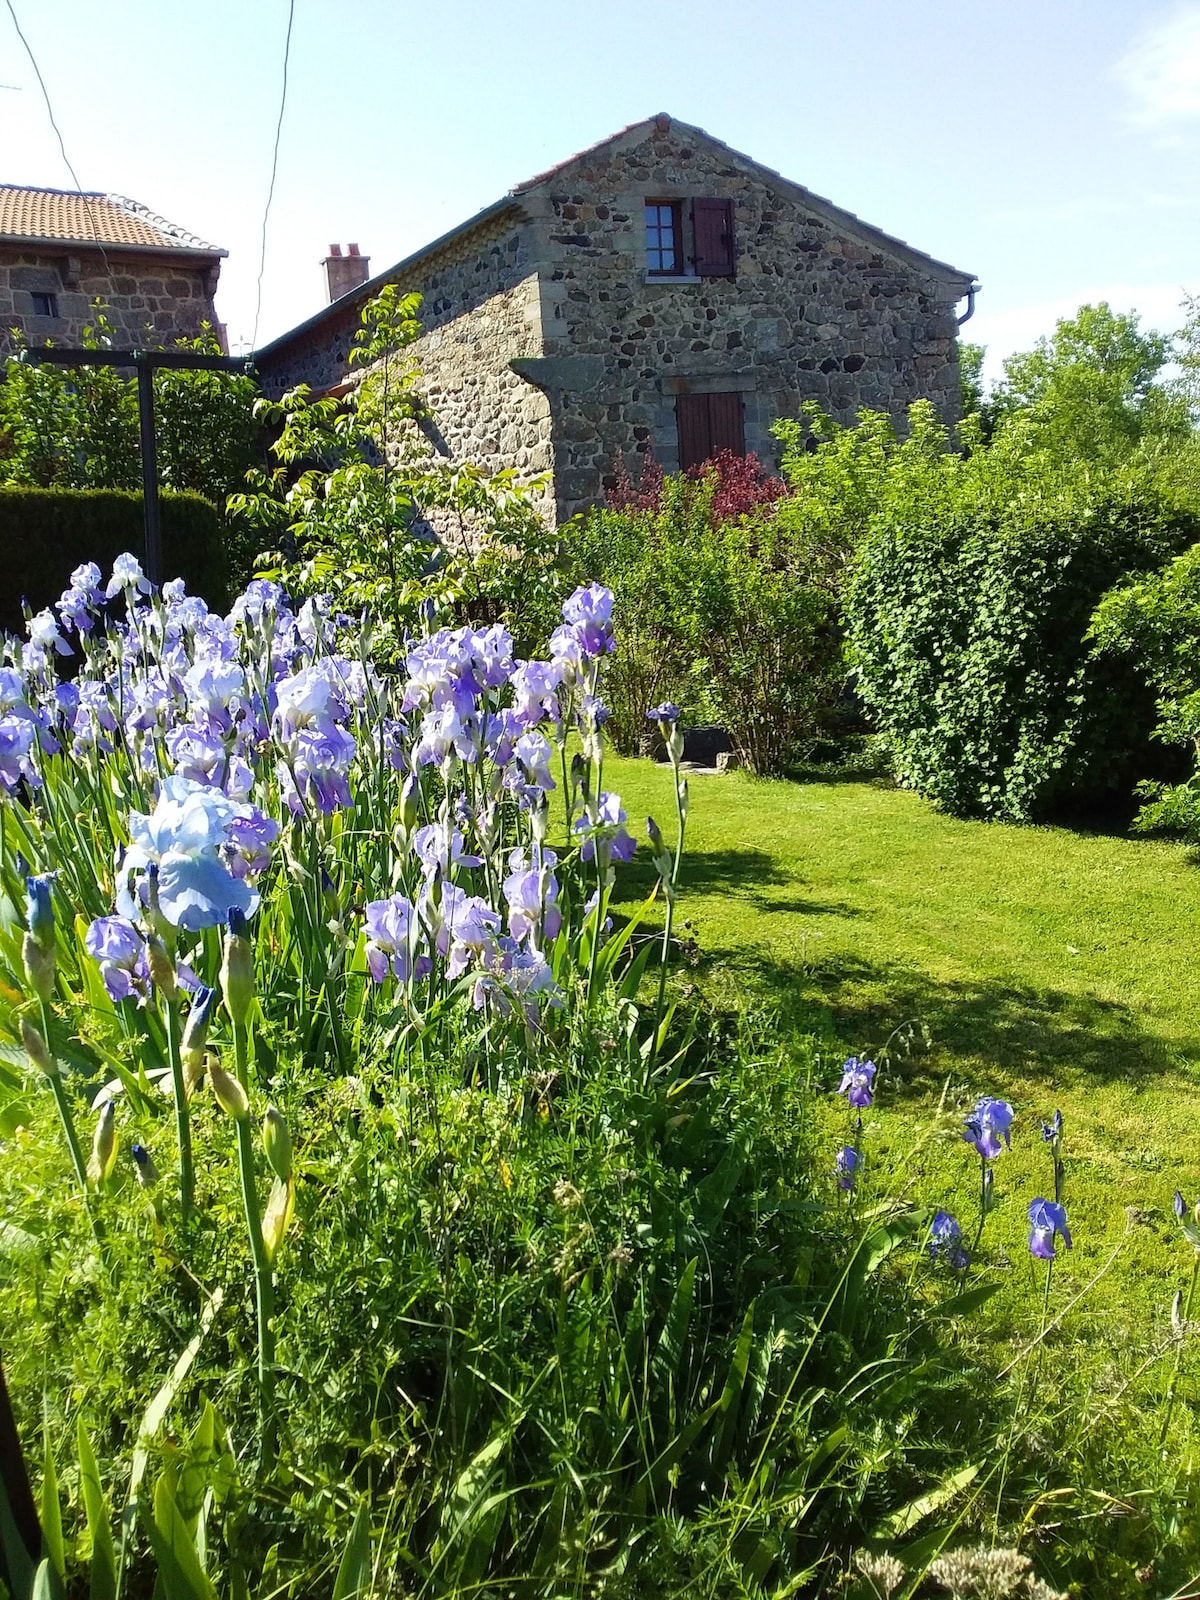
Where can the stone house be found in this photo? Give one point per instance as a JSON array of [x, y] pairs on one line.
[[659, 292], [61, 251]]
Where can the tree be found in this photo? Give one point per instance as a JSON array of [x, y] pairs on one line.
[[1092, 391]]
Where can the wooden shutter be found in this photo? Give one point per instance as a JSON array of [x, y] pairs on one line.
[[691, 415], [712, 225], [725, 424], [708, 423]]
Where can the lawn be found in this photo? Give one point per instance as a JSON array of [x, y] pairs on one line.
[[1050, 968]]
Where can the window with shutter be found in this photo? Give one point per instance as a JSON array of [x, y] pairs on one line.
[[712, 224], [708, 423]]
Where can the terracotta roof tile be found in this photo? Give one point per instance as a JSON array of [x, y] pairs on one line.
[[80, 218]]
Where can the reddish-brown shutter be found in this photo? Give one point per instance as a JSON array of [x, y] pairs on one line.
[[708, 423], [712, 225], [691, 415], [725, 424]]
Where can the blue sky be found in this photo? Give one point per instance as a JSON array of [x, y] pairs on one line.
[[1049, 146]]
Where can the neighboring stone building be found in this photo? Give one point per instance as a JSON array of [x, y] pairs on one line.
[[658, 291], [62, 251]]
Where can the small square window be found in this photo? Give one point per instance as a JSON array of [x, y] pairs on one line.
[[45, 305], [664, 244]]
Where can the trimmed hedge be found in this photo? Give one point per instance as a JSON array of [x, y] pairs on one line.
[[46, 533]]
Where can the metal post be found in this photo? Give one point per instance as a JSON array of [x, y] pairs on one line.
[[145, 382]]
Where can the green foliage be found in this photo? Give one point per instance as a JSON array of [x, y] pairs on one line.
[[1091, 392], [968, 609], [46, 533], [77, 427], [1155, 624], [361, 507], [735, 617]]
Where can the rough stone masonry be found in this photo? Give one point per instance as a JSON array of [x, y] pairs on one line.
[[553, 345]]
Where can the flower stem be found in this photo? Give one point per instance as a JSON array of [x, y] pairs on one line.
[[183, 1117], [1174, 1384], [669, 918], [264, 1283], [58, 1088]]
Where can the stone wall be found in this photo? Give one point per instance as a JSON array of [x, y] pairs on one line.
[[549, 348], [151, 300], [481, 309], [812, 313]]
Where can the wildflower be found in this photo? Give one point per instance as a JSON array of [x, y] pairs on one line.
[[987, 1125], [182, 837], [121, 952], [127, 574], [1190, 1225], [389, 925], [606, 826], [858, 1082], [845, 1167], [588, 613], [1046, 1219], [945, 1242]]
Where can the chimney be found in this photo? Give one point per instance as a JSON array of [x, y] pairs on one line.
[[344, 272]]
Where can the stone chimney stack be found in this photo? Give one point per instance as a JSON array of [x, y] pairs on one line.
[[345, 272]]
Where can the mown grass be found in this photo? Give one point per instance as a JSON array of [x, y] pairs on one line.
[[1043, 966]]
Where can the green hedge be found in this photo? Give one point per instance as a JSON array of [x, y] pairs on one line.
[[46, 533]]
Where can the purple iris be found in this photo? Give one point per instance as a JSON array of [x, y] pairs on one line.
[[389, 937], [845, 1166], [607, 827], [588, 613], [987, 1125], [119, 948], [667, 712], [945, 1242], [858, 1083], [1046, 1218]]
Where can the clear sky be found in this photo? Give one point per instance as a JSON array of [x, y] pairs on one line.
[[1048, 146]]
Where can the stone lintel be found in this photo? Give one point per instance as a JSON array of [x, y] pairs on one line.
[[742, 382], [569, 373]]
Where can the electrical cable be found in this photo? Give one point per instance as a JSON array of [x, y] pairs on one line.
[[262, 260], [37, 72]]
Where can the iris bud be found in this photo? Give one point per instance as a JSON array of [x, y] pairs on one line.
[[683, 798], [147, 1172], [39, 968], [237, 969], [162, 968], [37, 1049], [195, 1037], [539, 820], [104, 1145], [675, 745], [277, 1142], [410, 804], [39, 913], [231, 1097], [277, 1217]]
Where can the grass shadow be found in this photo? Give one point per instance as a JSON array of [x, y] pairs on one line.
[[1020, 1032]]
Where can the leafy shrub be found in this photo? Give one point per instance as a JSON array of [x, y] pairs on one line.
[[728, 606], [968, 608], [46, 533], [1155, 624], [77, 427]]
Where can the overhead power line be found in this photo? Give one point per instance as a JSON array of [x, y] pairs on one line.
[[37, 72], [262, 259]]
